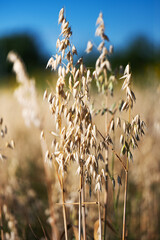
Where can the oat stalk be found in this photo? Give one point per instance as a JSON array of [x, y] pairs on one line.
[[99, 215], [64, 208], [80, 208], [125, 206], [126, 186], [83, 210], [106, 161]]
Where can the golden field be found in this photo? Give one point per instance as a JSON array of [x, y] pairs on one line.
[[23, 182]]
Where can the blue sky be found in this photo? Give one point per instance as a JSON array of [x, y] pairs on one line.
[[124, 20]]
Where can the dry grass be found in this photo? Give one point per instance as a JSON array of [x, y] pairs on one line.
[[78, 171], [23, 178]]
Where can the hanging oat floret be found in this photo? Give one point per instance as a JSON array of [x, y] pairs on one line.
[[89, 47], [101, 28], [130, 96]]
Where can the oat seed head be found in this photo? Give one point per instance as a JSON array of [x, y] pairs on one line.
[[26, 92]]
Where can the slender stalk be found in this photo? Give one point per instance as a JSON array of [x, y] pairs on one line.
[[125, 206], [114, 138], [64, 209], [125, 191], [77, 203], [123, 165], [99, 214], [106, 161], [62, 183], [106, 199], [113, 164], [80, 207], [83, 211]]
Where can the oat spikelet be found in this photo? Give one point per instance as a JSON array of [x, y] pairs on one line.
[[89, 47]]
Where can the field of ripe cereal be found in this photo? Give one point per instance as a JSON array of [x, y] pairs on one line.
[[82, 159]]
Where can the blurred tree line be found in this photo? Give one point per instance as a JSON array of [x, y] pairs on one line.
[[27, 46], [144, 58], [142, 55]]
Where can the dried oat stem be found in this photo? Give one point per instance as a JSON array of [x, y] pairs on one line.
[[118, 157], [64, 208], [125, 205], [63, 196], [123, 165], [125, 191], [62, 185], [80, 207], [83, 210], [77, 203], [99, 214], [106, 161], [114, 137]]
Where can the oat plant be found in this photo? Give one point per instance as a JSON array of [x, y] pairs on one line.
[[132, 130], [105, 81], [76, 138]]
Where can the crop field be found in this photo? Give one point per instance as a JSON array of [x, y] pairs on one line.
[[80, 159]]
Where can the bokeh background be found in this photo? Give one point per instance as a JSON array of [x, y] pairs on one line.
[[31, 29]]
